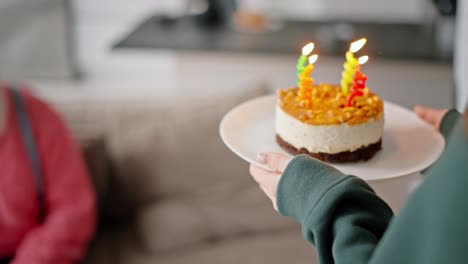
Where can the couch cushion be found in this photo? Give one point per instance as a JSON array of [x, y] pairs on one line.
[[173, 148], [148, 139]]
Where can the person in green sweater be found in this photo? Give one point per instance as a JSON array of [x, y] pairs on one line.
[[348, 223]]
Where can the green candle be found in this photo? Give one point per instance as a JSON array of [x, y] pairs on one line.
[[302, 61]]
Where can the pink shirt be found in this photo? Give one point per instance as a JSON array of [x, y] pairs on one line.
[[63, 235]]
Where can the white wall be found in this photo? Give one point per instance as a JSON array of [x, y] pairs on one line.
[[461, 56], [33, 39]]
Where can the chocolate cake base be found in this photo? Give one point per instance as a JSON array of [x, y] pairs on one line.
[[361, 154]]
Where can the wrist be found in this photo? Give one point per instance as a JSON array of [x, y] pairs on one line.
[[448, 121], [303, 183]]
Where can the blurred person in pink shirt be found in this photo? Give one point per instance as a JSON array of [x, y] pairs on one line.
[[47, 203]]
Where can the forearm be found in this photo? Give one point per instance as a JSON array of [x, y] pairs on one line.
[[339, 214], [61, 239], [447, 124]]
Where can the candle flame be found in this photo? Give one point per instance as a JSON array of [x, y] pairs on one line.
[[307, 49], [363, 59], [357, 45], [313, 59]]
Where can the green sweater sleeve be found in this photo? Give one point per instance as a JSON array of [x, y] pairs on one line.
[[448, 123], [340, 214], [347, 223], [446, 126]]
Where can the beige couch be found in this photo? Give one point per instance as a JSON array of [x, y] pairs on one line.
[[170, 191]]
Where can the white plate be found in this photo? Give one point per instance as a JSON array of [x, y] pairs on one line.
[[409, 144]]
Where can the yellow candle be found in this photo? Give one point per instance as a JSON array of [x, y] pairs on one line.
[[306, 83], [350, 64]]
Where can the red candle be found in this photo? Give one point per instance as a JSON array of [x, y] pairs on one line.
[[359, 83]]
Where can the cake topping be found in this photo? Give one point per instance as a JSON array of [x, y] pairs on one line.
[[328, 105]]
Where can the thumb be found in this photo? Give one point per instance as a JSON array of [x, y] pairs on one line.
[[421, 111], [430, 115], [275, 161]]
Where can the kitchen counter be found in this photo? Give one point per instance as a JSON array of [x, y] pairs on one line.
[[390, 40]]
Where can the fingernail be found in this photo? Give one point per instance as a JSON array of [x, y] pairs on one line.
[[262, 158]]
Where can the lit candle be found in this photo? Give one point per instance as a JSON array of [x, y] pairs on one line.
[[359, 81], [350, 64], [306, 83], [301, 62]]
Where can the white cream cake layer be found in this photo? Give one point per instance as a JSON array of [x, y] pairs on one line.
[[327, 138]]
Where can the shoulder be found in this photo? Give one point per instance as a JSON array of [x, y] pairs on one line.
[[32, 101], [44, 119]]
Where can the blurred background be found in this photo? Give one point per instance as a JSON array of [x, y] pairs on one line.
[[191, 46], [143, 85]]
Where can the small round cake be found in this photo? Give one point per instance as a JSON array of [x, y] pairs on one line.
[[325, 128]]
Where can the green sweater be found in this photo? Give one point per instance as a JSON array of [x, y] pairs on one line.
[[348, 223]]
